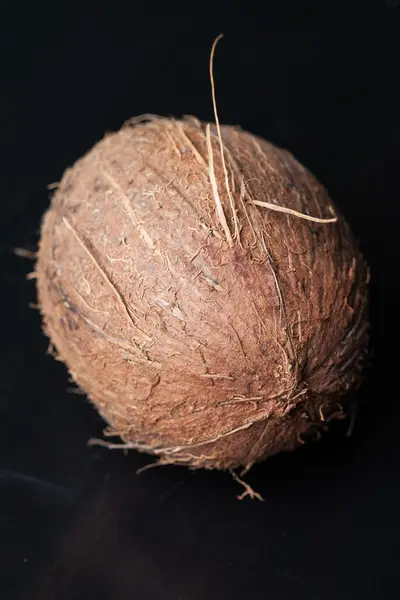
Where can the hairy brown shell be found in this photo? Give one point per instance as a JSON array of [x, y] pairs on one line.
[[206, 326]]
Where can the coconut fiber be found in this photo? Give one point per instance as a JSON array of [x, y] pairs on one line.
[[204, 292]]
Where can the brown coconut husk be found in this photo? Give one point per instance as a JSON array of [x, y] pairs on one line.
[[204, 291]]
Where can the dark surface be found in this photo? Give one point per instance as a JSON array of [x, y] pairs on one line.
[[76, 522]]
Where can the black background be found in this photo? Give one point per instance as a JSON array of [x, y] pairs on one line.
[[77, 522]]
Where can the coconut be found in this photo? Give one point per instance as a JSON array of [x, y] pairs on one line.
[[204, 292]]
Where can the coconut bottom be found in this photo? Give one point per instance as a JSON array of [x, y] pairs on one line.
[[283, 431]]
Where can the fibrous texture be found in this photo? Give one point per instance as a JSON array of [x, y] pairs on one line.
[[207, 296]]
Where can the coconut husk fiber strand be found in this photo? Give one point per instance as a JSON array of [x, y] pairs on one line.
[[203, 291]]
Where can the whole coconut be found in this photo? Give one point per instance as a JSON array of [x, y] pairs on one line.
[[203, 291]]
